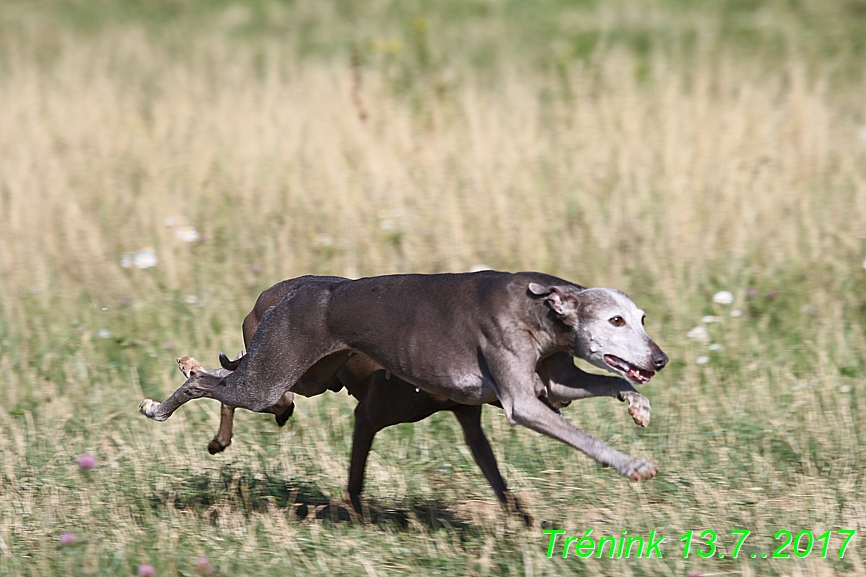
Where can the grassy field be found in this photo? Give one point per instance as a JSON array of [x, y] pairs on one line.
[[668, 148]]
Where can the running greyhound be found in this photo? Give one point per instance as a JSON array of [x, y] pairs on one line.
[[473, 338], [386, 400]]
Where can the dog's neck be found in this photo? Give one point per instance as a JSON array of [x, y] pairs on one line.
[[551, 333]]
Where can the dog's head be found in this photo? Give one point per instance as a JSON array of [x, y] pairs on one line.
[[607, 329]]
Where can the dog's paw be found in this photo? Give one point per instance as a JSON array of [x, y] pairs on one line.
[[187, 365], [282, 418], [148, 409], [216, 446], [638, 407], [640, 470]]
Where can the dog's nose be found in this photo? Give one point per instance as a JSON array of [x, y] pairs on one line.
[[659, 359]]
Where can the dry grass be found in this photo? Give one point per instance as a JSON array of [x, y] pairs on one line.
[[667, 176]]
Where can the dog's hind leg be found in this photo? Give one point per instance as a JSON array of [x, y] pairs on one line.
[[470, 419], [223, 437], [283, 409], [200, 384], [362, 442]]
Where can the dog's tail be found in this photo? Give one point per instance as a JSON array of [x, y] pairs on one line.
[[229, 365]]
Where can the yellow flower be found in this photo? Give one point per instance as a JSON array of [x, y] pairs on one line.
[[393, 46]]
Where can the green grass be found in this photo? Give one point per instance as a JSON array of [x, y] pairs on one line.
[[667, 148]]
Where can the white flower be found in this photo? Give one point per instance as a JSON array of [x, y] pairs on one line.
[[699, 333], [478, 267], [104, 334], [711, 319], [736, 313], [702, 360], [723, 298], [186, 233], [144, 258], [715, 347], [190, 299]]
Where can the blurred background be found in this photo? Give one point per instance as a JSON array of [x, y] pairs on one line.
[[164, 161]]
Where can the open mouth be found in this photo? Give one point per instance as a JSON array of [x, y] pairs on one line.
[[632, 372]]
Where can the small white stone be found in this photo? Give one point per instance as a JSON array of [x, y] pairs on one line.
[[715, 347], [190, 299], [702, 360]]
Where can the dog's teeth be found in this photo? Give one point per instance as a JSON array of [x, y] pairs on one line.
[[593, 348]]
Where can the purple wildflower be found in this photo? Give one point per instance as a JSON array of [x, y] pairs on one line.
[[87, 461]]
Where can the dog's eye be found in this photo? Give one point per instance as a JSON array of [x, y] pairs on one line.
[[643, 320], [617, 321]]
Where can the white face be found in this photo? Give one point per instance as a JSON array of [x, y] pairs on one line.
[[610, 334]]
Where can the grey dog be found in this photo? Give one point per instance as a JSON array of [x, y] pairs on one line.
[[473, 338], [386, 400]]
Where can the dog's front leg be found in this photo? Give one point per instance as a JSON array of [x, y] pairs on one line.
[[515, 382], [530, 412], [566, 382]]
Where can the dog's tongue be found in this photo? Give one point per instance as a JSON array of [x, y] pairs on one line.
[[639, 375]]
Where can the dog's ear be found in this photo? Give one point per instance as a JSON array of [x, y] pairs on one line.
[[562, 303]]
